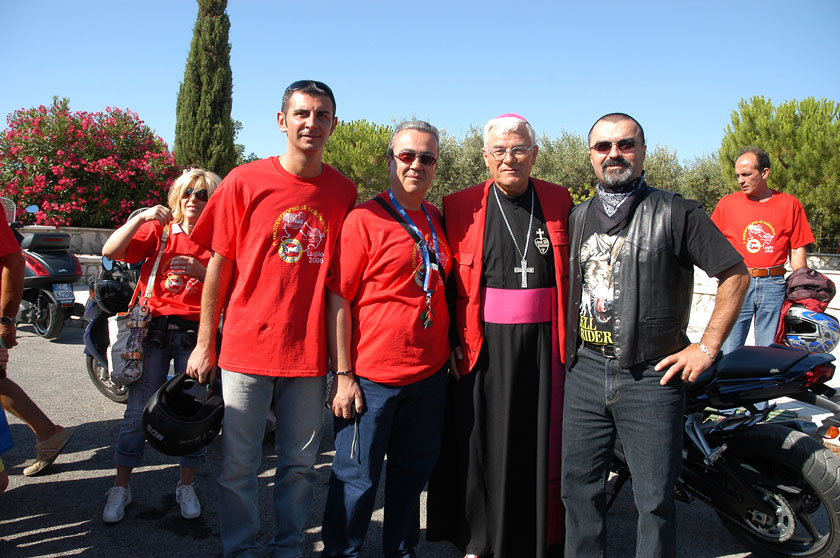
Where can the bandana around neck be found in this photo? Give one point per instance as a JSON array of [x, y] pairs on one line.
[[613, 213]]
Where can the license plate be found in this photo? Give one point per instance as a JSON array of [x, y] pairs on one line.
[[64, 293]]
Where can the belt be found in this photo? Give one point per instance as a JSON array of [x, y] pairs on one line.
[[606, 351], [774, 271]]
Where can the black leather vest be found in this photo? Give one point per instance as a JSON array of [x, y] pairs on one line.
[[652, 287]]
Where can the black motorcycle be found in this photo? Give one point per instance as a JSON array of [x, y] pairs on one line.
[[51, 271], [772, 482], [110, 293]]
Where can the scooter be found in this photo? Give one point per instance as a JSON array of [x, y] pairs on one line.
[[51, 270], [773, 483], [109, 294]]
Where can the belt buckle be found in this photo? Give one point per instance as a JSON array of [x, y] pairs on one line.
[[606, 351]]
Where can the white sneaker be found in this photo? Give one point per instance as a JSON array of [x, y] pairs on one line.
[[118, 499], [185, 495]]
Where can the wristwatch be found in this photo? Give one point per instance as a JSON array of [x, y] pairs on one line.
[[6, 320]]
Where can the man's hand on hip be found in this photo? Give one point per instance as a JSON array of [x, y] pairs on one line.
[[688, 363]]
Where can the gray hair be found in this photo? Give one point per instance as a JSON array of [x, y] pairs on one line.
[[506, 124], [420, 126]]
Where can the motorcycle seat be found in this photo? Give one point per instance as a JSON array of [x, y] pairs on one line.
[[748, 362]]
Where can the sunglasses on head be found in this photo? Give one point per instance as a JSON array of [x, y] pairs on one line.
[[305, 83], [408, 157], [200, 195], [604, 147]]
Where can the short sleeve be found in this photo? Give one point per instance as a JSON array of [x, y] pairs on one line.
[[144, 242], [698, 240], [218, 224], [349, 259]]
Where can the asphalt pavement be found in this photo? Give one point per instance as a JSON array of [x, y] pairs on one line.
[[60, 512]]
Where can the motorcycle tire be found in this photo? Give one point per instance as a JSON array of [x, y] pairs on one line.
[[49, 317], [99, 376], [807, 522]]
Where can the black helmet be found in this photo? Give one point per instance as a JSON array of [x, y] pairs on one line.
[[111, 295], [183, 415]]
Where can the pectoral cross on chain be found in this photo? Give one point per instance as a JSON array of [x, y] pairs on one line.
[[522, 270]]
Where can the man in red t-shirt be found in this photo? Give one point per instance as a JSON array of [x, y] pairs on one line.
[[272, 226], [388, 324], [52, 438], [767, 228]]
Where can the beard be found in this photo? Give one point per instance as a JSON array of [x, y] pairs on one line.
[[617, 179]]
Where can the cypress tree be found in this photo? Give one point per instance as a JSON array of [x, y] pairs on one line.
[[203, 126]]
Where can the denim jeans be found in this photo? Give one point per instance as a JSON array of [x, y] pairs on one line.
[[765, 297], [299, 408], [131, 440], [604, 400], [406, 423]]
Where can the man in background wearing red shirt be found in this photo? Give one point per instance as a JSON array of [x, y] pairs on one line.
[[388, 330], [766, 227], [272, 225]]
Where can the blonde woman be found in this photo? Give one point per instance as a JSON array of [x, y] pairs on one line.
[[175, 305]]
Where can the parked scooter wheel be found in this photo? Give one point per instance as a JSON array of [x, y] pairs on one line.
[[802, 479], [99, 376], [48, 319]]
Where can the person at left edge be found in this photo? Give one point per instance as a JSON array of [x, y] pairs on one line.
[[272, 226], [52, 437], [388, 329]]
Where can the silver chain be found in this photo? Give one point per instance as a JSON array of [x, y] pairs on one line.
[[510, 231]]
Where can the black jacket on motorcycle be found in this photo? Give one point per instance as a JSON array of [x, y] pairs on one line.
[[653, 275]]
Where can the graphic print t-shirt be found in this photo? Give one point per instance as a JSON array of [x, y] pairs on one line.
[[596, 305], [280, 231], [763, 232], [173, 294], [379, 268]]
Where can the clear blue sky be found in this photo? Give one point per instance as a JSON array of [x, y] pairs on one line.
[[679, 67]]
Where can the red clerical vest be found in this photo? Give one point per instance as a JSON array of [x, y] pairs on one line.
[[465, 213]]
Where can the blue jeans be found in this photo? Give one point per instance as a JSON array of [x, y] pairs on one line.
[[604, 400], [765, 297], [299, 408], [406, 423], [131, 440]]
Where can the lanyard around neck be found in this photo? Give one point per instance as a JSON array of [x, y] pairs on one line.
[[417, 236]]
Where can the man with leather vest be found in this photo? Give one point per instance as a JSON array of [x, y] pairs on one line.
[[632, 255]]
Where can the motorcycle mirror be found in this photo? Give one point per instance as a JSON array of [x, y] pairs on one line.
[[32, 209], [107, 263]]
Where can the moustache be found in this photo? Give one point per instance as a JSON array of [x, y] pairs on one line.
[[620, 161]]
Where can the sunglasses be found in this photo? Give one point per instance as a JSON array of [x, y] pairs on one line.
[[408, 157], [604, 147], [200, 195]]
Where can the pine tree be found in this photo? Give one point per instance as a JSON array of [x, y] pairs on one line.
[[203, 129]]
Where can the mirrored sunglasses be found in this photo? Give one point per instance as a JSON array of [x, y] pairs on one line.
[[200, 195]]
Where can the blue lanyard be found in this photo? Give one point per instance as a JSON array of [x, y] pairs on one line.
[[427, 287]]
